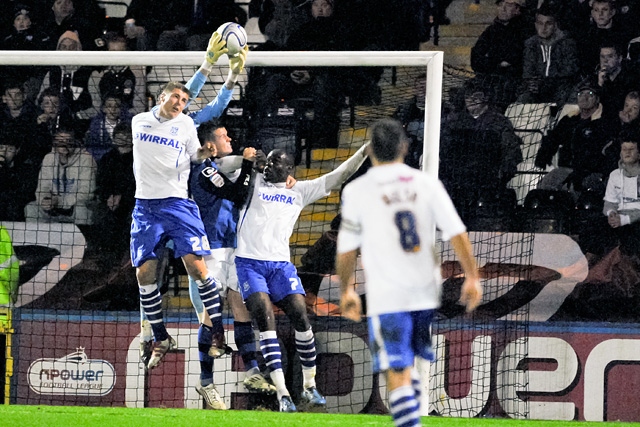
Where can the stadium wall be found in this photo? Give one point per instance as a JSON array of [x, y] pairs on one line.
[[579, 371], [583, 371]]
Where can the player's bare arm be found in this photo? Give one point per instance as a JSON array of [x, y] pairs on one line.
[[471, 292], [350, 303]]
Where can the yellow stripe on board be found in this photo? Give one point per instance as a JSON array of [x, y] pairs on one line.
[[318, 216], [304, 173], [304, 238]]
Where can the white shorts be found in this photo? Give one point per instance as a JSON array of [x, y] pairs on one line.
[[221, 265]]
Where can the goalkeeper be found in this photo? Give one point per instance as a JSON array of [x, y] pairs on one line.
[[215, 108]]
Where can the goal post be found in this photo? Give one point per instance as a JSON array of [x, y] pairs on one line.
[[90, 314], [432, 61]]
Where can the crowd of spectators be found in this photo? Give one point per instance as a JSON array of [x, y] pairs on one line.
[[581, 56]]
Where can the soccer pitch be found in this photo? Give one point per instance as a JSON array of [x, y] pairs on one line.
[[82, 416]]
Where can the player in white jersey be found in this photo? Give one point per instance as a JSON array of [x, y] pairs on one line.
[[165, 143], [265, 272], [390, 215]]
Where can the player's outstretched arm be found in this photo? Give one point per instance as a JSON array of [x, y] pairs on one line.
[[338, 176], [471, 292], [350, 303]]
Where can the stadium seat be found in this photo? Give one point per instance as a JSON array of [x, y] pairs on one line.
[[547, 211], [493, 211]]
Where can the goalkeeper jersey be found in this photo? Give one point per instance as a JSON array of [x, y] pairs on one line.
[[162, 154], [213, 109], [391, 214], [266, 224]]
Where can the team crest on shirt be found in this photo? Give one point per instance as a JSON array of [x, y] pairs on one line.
[[174, 131]]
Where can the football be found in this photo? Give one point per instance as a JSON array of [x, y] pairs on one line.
[[234, 36]]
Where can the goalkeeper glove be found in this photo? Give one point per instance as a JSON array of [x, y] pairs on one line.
[[236, 63], [215, 50]]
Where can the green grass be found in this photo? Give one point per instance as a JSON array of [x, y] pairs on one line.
[[81, 416]]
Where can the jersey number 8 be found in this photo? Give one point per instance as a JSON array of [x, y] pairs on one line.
[[409, 238]]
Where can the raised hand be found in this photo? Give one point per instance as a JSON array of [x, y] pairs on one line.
[[215, 49], [236, 63]]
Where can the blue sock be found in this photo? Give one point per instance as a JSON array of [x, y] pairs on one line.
[[205, 335], [246, 342]]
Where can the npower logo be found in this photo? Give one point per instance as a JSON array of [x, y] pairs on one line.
[[73, 374]]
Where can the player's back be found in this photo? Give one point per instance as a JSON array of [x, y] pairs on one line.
[[397, 209]]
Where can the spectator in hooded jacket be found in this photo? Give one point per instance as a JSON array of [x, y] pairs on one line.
[[550, 62], [66, 183]]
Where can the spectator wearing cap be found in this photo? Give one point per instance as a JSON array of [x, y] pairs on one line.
[[19, 181], [71, 82], [498, 52], [25, 35], [66, 183], [550, 62], [579, 139]]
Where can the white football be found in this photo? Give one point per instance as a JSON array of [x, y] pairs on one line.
[[234, 36]]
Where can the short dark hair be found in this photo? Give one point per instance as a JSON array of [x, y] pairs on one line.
[[114, 36], [626, 136], [610, 44], [547, 10], [206, 130], [387, 138], [50, 91]]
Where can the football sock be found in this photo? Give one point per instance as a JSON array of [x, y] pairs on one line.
[[205, 335], [151, 302], [416, 385], [246, 342], [210, 296], [306, 347], [273, 358], [404, 407]]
